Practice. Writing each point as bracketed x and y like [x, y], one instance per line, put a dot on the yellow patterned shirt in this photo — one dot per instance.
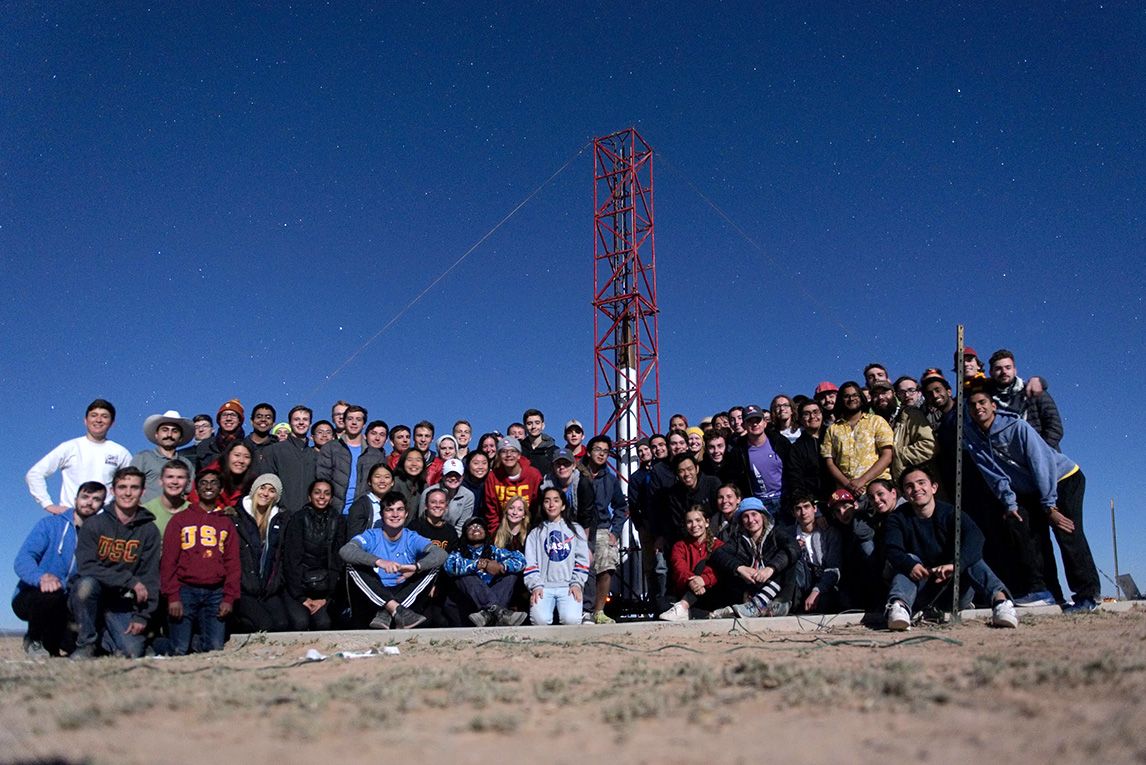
[855, 449]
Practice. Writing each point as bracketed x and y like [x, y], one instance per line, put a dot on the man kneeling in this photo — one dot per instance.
[921, 547]
[116, 588]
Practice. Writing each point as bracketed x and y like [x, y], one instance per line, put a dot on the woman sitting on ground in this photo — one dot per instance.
[757, 566]
[690, 579]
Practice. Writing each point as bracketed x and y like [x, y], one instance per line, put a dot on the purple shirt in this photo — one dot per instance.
[767, 470]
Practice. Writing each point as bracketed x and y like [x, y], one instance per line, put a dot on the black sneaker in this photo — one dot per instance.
[83, 653]
[405, 619]
[1081, 606]
[381, 620]
[508, 618]
[481, 618]
[34, 649]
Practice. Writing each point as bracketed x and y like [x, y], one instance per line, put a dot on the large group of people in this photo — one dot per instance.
[839, 500]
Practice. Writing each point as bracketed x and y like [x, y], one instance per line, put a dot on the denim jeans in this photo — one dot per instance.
[104, 614]
[978, 577]
[201, 614]
[559, 597]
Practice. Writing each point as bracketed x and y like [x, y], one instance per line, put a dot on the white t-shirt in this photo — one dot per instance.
[809, 545]
[77, 461]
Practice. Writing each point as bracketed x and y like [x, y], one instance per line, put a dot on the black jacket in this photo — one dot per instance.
[541, 457]
[778, 550]
[733, 469]
[208, 451]
[310, 544]
[680, 499]
[932, 540]
[261, 563]
[1041, 411]
[583, 506]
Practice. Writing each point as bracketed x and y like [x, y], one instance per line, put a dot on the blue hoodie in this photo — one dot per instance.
[50, 548]
[1014, 459]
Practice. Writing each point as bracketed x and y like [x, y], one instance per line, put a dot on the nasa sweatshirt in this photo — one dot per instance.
[556, 556]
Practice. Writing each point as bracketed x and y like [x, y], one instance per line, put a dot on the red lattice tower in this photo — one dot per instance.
[626, 386]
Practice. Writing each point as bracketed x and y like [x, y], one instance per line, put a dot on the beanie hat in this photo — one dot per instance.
[263, 480]
[231, 406]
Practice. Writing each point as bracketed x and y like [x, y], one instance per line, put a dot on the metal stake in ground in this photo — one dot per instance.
[956, 617]
[1114, 535]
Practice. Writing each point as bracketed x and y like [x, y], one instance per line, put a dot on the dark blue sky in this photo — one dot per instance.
[199, 202]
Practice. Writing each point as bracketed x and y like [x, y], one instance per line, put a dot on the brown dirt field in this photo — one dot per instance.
[1058, 689]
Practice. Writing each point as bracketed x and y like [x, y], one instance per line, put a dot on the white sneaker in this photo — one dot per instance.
[722, 613]
[1003, 614]
[898, 617]
[678, 613]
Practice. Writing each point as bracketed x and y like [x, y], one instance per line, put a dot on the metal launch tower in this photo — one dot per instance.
[626, 386]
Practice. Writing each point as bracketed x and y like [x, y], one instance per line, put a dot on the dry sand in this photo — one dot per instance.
[1058, 689]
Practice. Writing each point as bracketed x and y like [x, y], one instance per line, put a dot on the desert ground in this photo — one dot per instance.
[1058, 689]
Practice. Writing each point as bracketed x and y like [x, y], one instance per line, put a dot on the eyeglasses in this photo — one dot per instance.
[906, 391]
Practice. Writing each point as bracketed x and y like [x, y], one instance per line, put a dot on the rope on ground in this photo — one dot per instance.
[819, 642]
[144, 664]
[607, 643]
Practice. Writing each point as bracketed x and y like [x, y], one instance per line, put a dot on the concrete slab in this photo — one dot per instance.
[670, 630]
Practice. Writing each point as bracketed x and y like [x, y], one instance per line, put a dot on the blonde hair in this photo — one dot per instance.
[506, 539]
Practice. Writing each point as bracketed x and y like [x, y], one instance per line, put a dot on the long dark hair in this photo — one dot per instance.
[232, 481]
[400, 467]
[566, 512]
[839, 412]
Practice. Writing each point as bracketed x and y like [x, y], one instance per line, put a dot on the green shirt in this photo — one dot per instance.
[162, 514]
